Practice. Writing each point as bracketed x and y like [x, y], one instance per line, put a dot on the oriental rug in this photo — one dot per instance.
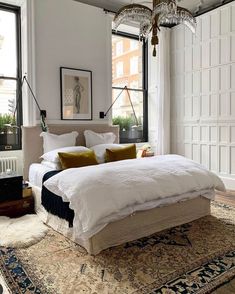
[197, 257]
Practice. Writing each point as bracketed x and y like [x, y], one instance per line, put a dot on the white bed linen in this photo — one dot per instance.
[107, 192]
[36, 173]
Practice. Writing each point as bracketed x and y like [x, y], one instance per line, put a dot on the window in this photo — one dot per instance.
[119, 48]
[117, 107]
[10, 77]
[134, 85]
[119, 69]
[133, 45]
[130, 111]
[134, 65]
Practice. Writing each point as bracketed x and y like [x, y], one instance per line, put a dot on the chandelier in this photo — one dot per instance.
[164, 13]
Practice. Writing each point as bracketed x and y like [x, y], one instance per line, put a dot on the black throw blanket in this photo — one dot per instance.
[54, 204]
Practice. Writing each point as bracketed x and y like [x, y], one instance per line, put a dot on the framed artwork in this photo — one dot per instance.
[76, 94]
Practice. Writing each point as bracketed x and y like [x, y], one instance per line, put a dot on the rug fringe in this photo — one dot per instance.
[219, 282]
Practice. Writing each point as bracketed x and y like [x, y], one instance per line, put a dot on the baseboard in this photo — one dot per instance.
[229, 183]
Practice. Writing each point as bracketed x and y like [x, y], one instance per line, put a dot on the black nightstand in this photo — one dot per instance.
[17, 208]
[10, 187]
[14, 200]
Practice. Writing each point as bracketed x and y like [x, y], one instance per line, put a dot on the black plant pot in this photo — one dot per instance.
[134, 135]
[8, 139]
[124, 134]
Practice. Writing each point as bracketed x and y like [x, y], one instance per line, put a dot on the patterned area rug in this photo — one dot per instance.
[194, 258]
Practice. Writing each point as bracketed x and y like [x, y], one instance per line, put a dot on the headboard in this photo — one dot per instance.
[32, 142]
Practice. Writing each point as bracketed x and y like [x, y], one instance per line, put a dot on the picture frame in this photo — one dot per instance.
[76, 94]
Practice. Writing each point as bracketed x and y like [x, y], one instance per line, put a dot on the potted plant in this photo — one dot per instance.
[128, 127]
[8, 134]
[124, 125]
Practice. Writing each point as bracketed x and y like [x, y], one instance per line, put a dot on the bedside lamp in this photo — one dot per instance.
[102, 114]
[42, 112]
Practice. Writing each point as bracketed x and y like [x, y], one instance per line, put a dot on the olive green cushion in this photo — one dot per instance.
[77, 159]
[128, 152]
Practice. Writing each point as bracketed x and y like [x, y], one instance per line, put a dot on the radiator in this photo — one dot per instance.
[8, 163]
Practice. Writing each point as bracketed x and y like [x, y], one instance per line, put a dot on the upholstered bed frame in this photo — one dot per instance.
[140, 224]
[32, 142]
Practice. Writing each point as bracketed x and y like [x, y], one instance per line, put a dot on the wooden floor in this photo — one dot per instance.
[226, 197]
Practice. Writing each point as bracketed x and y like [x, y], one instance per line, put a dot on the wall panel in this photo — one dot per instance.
[203, 94]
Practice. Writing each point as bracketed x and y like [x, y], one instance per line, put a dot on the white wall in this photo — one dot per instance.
[203, 92]
[63, 33]
[71, 34]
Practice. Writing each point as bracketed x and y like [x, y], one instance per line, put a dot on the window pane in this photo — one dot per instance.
[8, 48]
[119, 69]
[119, 48]
[7, 107]
[127, 62]
[7, 96]
[130, 122]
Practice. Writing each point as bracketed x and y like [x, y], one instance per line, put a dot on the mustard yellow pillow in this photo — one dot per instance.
[77, 159]
[128, 152]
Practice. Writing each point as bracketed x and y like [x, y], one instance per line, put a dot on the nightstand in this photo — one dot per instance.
[17, 208]
[14, 201]
[10, 187]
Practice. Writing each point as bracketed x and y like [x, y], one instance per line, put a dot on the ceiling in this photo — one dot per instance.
[114, 5]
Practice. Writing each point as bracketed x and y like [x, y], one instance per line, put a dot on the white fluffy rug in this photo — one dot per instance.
[21, 232]
[3, 286]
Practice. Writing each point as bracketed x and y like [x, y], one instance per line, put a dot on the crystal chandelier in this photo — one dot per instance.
[164, 13]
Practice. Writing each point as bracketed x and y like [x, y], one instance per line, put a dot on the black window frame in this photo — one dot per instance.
[19, 114]
[144, 89]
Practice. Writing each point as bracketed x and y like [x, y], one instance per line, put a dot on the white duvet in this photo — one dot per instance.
[107, 192]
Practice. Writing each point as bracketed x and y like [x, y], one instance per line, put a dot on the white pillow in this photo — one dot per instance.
[52, 141]
[100, 150]
[93, 138]
[52, 165]
[53, 156]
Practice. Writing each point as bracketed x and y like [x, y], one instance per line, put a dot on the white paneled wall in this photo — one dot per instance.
[203, 92]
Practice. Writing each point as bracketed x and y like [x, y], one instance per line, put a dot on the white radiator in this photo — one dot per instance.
[8, 163]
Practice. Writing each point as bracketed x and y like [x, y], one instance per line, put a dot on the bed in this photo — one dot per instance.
[134, 226]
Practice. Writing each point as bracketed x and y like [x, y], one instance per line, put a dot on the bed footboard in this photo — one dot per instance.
[135, 226]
